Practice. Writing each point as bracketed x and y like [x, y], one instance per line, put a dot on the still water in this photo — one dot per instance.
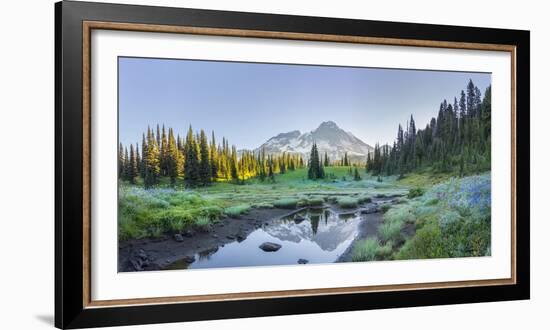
[315, 235]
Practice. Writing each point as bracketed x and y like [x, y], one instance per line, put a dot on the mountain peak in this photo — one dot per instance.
[329, 138]
[328, 124]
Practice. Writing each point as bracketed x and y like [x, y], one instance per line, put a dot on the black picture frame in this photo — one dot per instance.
[70, 310]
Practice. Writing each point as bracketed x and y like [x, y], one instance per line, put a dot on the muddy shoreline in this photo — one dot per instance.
[158, 253]
[150, 254]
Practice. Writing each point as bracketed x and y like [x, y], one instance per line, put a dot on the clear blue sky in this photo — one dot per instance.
[250, 102]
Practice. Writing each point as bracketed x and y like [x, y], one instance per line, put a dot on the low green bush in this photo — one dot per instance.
[203, 223]
[390, 231]
[365, 250]
[286, 203]
[415, 192]
[315, 202]
[427, 243]
[347, 202]
[400, 213]
[364, 199]
[235, 211]
[383, 252]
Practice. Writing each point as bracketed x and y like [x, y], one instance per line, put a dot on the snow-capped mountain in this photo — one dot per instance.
[329, 138]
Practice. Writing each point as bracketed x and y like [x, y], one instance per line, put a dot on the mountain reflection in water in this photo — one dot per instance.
[316, 235]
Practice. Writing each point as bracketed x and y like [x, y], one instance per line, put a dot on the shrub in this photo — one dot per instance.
[237, 210]
[203, 223]
[286, 203]
[431, 202]
[415, 192]
[383, 252]
[365, 250]
[315, 202]
[400, 213]
[385, 208]
[422, 211]
[364, 199]
[347, 202]
[448, 218]
[390, 231]
[427, 243]
[211, 212]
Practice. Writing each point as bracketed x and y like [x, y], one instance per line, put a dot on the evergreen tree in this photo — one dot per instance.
[138, 161]
[233, 164]
[356, 175]
[121, 161]
[205, 170]
[214, 158]
[315, 169]
[132, 166]
[143, 157]
[125, 166]
[282, 165]
[152, 162]
[163, 149]
[270, 171]
[173, 158]
[191, 165]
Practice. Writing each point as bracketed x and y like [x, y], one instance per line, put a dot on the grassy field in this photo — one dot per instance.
[152, 212]
[450, 216]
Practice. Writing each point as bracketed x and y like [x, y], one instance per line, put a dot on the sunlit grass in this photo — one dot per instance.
[237, 210]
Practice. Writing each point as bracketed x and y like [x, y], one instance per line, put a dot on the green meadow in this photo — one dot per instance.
[166, 208]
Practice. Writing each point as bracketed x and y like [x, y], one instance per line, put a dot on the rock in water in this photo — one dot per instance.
[270, 247]
[178, 238]
[299, 219]
[303, 261]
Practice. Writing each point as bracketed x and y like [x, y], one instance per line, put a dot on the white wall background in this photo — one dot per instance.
[27, 147]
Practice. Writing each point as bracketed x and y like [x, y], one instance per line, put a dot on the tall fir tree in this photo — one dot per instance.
[120, 161]
[132, 165]
[205, 171]
[191, 165]
[152, 162]
[214, 158]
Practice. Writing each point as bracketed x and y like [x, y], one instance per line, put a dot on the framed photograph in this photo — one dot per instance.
[216, 164]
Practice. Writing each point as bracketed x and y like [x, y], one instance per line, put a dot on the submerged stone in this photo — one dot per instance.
[270, 247]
